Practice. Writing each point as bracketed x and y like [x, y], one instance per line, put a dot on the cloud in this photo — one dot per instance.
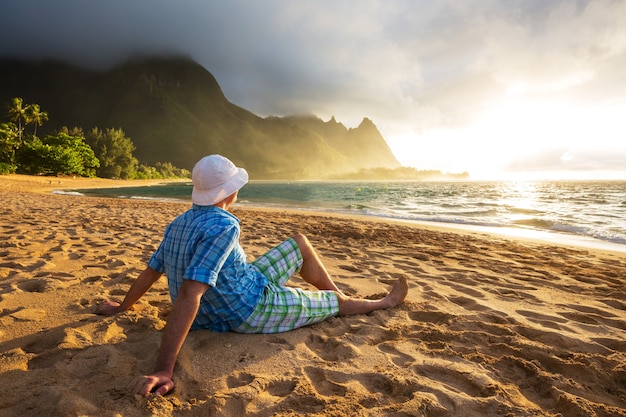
[571, 160]
[408, 65]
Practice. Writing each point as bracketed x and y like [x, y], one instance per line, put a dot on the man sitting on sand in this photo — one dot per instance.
[213, 286]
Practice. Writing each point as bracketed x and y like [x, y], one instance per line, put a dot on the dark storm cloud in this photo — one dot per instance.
[287, 54]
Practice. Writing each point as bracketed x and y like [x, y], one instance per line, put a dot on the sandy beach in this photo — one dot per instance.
[492, 326]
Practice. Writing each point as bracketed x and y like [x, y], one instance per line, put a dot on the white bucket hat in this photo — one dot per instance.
[215, 178]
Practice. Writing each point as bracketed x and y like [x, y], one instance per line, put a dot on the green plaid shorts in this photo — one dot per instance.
[282, 308]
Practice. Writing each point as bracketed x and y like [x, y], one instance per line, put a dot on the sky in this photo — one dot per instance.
[496, 88]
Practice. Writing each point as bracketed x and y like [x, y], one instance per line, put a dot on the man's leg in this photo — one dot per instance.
[314, 272]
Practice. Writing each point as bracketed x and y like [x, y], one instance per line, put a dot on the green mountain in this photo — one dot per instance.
[174, 111]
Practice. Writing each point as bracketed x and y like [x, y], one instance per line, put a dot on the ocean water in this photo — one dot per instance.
[593, 210]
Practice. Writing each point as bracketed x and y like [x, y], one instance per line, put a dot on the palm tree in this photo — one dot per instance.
[35, 116]
[17, 112]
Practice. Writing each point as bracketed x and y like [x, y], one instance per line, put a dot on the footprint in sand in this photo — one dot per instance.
[35, 285]
[435, 317]
[462, 288]
[545, 320]
[380, 389]
[331, 349]
[613, 344]
[468, 303]
[614, 303]
[239, 380]
[593, 317]
[448, 380]
[248, 395]
[324, 386]
[398, 358]
[282, 343]
[351, 268]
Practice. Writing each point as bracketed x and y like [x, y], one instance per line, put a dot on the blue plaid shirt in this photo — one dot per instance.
[202, 245]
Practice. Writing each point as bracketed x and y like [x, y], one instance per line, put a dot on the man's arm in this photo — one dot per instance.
[178, 324]
[142, 284]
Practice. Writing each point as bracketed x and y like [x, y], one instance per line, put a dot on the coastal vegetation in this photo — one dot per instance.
[106, 154]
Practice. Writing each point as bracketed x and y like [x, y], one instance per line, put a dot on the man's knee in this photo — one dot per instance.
[302, 242]
[300, 238]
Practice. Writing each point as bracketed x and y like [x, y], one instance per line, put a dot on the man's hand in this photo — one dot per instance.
[159, 383]
[143, 283]
[178, 324]
[108, 308]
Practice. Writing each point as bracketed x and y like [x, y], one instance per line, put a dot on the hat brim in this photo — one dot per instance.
[215, 195]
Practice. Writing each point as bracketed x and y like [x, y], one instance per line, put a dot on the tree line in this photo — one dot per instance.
[104, 153]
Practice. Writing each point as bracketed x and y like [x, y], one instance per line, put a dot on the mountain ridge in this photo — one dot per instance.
[174, 111]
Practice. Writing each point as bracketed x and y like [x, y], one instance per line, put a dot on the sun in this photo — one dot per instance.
[523, 137]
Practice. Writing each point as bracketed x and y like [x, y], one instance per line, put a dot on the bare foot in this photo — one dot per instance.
[349, 306]
[398, 293]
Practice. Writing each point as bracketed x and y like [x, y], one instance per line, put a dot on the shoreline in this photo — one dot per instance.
[517, 234]
[51, 184]
[48, 184]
